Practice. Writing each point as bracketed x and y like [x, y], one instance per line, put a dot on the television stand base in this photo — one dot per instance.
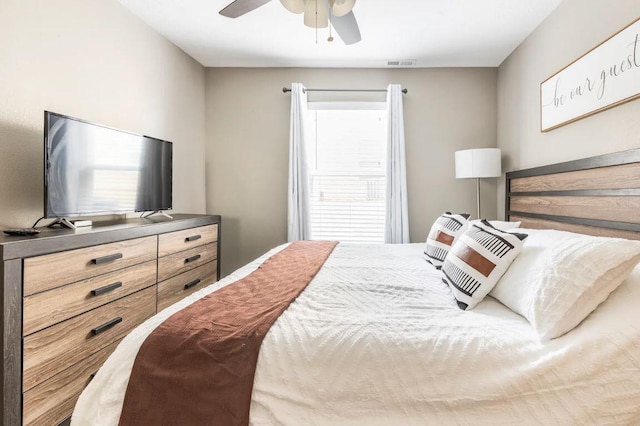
[160, 212]
[63, 222]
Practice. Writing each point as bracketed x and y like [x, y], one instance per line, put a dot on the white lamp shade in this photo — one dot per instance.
[293, 6]
[322, 19]
[478, 163]
[341, 7]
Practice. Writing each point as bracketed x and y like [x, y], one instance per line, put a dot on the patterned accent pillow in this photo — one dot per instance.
[477, 260]
[442, 235]
[500, 224]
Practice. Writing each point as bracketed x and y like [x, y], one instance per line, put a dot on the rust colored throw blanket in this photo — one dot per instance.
[197, 367]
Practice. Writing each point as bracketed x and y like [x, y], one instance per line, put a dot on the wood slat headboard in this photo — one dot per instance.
[596, 196]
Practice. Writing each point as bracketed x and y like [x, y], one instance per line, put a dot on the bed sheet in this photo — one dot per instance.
[376, 339]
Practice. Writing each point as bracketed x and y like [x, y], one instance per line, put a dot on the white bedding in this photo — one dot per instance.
[376, 338]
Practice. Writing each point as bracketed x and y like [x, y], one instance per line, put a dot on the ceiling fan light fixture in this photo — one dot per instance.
[317, 14]
[321, 20]
[341, 7]
[293, 6]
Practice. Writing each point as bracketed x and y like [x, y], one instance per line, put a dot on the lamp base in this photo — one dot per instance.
[478, 195]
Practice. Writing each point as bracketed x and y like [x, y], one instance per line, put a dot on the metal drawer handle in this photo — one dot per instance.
[192, 258]
[193, 238]
[107, 325]
[106, 288]
[191, 284]
[105, 259]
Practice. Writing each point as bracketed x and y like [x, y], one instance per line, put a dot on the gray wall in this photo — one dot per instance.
[248, 135]
[575, 27]
[93, 60]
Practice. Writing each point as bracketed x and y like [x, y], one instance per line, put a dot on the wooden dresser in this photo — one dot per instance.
[69, 297]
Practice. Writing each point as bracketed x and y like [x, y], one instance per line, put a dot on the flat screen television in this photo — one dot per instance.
[94, 170]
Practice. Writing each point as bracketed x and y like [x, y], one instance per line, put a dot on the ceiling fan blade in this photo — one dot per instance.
[347, 28]
[240, 7]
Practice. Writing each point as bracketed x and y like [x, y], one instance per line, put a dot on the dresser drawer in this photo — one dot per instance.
[56, 348]
[173, 242]
[178, 263]
[176, 288]
[53, 270]
[51, 402]
[50, 307]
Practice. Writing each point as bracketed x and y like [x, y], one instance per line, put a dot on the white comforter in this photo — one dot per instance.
[376, 338]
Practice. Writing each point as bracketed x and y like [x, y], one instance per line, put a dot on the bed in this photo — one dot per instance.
[376, 338]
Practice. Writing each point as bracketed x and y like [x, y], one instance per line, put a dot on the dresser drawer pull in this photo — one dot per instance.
[106, 288]
[107, 325]
[192, 258]
[106, 259]
[193, 238]
[191, 284]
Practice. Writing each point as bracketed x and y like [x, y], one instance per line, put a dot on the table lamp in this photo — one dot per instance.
[478, 163]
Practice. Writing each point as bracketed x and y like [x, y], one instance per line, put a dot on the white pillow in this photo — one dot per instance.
[442, 235]
[561, 277]
[477, 260]
[500, 224]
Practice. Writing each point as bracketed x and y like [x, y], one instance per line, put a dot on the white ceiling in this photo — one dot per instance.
[437, 33]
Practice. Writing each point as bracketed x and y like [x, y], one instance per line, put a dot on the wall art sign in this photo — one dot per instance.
[606, 76]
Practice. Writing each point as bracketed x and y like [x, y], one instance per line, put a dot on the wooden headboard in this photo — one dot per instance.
[596, 196]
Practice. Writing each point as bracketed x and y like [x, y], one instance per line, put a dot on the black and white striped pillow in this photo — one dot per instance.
[477, 260]
[442, 235]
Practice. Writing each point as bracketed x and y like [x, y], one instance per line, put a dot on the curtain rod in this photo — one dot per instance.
[286, 89]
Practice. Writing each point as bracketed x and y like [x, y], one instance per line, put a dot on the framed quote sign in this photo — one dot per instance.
[606, 76]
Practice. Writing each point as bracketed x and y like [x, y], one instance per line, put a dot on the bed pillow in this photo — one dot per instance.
[500, 224]
[442, 235]
[477, 260]
[561, 277]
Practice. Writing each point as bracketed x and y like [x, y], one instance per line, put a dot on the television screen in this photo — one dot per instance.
[92, 169]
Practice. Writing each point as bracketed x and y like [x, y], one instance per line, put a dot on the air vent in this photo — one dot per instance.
[401, 62]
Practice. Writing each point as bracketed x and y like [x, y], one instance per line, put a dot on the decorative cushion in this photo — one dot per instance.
[477, 260]
[442, 235]
[561, 277]
[500, 224]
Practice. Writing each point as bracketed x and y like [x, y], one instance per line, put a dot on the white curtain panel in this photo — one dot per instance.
[397, 214]
[298, 216]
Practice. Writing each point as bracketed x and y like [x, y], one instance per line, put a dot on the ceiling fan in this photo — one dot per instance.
[317, 14]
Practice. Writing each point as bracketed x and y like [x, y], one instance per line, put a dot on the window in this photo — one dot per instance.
[347, 149]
